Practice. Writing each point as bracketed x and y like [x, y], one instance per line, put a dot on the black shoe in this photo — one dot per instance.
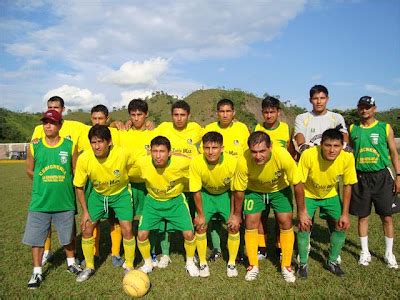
[215, 255]
[303, 271]
[334, 268]
[35, 281]
[74, 269]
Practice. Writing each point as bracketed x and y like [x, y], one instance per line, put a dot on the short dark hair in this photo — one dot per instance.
[56, 99]
[270, 102]
[318, 89]
[180, 104]
[332, 134]
[161, 140]
[100, 131]
[225, 102]
[214, 137]
[138, 104]
[257, 137]
[100, 108]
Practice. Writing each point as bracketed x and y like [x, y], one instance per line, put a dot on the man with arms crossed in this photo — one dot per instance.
[50, 163]
[263, 177]
[211, 175]
[374, 151]
[320, 168]
[106, 167]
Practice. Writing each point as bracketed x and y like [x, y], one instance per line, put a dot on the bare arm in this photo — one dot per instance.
[236, 216]
[344, 220]
[30, 164]
[199, 220]
[395, 159]
[80, 194]
[74, 159]
[304, 220]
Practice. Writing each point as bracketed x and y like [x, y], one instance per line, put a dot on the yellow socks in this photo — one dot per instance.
[201, 244]
[129, 248]
[261, 240]
[88, 251]
[144, 248]
[116, 238]
[47, 243]
[233, 247]
[190, 248]
[287, 242]
[251, 241]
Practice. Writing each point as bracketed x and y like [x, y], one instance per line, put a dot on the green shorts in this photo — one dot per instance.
[139, 193]
[103, 207]
[329, 208]
[216, 206]
[175, 211]
[280, 201]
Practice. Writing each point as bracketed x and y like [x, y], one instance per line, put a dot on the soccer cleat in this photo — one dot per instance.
[261, 255]
[146, 268]
[192, 269]
[117, 261]
[231, 271]
[365, 258]
[47, 256]
[74, 269]
[252, 273]
[154, 260]
[288, 274]
[215, 254]
[303, 271]
[391, 262]
[164, 262]
[127, 270]
[204, 271]
[84, 275]
[35, 281]
[339, 260]
[334, 268]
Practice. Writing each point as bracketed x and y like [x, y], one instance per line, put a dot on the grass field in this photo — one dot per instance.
[375, 281]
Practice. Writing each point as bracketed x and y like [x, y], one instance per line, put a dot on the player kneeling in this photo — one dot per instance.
[107, 167]
[211, 175]
[165, 176]
[320, 168]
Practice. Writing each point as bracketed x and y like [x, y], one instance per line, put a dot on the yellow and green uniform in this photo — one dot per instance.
[320, 177]
[280, 134]
[71, 130]
[235, 137]
[267, 185]
[214, 182]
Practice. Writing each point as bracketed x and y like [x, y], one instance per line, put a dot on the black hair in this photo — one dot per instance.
[100, 108]
[225, 102]
[161, 140]
[270, 102]
[257, 137]
[214, 137]
[180, 104]
[56, 99]
[101, 132]
[332, 134]
[138, 104]
[318, 89]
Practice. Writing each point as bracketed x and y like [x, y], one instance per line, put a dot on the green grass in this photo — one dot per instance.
[375, 281]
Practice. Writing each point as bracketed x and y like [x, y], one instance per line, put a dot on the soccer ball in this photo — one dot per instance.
[136, 283]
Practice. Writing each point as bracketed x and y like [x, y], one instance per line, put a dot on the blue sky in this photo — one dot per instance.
[109, 52]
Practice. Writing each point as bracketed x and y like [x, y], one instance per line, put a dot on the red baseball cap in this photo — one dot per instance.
[52, 115]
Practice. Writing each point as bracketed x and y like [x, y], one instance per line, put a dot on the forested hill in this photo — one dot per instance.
[18, 127]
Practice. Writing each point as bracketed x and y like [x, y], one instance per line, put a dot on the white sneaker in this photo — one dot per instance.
[261, 256]
[288, 275]
[204, 271]
[231, 271]
[391, 262]
[365, 258]
[192, 269]
[339, 260]
[47, 255]
[252, 273]
[146, 268]
[164, 262]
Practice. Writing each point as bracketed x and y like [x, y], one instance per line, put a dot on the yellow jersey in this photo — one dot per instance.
[84, 138]
[216, 179]
[320, 176]
[235, 137]
[280, 135]
[277, 173]
[109, 176]
[164, 183]
[71, 130]
[185, 141]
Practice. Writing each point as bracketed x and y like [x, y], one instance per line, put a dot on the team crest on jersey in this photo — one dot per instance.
[312, 130]
[189, 141]
[374, 138]
[68, 137]
[63, 157]
[227, 180]
[117, 173]
[147, 147]
[236, 142]
[278, 174]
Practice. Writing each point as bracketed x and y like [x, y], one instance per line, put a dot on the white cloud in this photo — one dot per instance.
[127, 96]
[382, 90]
[75, 98]
[133, 73]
